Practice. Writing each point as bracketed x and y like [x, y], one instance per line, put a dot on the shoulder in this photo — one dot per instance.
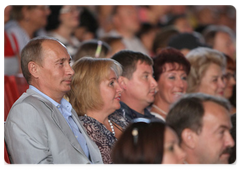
[26, 116]
[30, 105]
[37, 101]
[10, 25]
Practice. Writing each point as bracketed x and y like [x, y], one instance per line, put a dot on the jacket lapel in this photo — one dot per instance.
[93, 148]
[59, 120]
[63, 125]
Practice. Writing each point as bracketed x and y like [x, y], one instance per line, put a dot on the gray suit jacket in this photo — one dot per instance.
[36, 132]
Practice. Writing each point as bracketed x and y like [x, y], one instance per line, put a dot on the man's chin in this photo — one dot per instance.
[67, 88]
[224, 159]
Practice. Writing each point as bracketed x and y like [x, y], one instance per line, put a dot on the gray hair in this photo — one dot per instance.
[200, 58]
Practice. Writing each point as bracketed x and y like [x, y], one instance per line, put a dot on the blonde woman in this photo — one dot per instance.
[208, 68]
[95, 95]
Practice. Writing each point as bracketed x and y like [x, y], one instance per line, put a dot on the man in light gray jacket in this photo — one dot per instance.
[41, 126]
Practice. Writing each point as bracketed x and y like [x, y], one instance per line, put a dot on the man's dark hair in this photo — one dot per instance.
[128, 59]
[188, 112]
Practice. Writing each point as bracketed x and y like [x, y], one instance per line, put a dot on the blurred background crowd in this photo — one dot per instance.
[102, 31]
[146, 29]
[142, 28]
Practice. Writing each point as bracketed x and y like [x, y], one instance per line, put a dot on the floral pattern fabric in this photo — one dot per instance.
[103, 138]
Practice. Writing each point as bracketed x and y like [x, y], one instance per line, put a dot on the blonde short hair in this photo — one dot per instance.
[85, 88]
[200, 58]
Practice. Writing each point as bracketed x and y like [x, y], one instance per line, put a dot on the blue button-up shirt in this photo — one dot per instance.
[65, 107]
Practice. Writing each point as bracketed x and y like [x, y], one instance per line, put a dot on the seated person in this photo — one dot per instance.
[95, 95]
[41, 126]
[148, 142]
[202, 123]
[171, 69]
[207, 71]
[137, 82]
[61, 23]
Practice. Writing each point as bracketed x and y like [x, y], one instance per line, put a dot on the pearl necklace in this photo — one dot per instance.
[110, 123]
[165, 113]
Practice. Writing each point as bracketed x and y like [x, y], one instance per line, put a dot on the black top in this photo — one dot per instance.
[131, 114]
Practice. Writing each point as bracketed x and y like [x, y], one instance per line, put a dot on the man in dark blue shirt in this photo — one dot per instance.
[137, 82]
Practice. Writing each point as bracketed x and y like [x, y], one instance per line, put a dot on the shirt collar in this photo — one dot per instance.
[64, 104]
[135, 114]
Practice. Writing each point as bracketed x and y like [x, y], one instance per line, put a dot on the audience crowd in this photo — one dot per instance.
[123, 84]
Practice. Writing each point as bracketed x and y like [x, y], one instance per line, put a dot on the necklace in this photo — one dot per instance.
[110, 123]
[165, 113]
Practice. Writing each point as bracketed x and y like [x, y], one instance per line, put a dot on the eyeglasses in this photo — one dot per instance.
[70, 10]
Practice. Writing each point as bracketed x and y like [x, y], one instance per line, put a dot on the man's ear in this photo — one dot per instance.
[122, 82]
[33, 69]
[189, 138]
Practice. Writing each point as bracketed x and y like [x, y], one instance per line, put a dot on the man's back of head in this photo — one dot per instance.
[202, 123]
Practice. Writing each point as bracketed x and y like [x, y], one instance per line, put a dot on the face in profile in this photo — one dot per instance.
[142, 85]
[111, 93]
[55, 73]
[214, 141]
[172, 84]
[172, 154]
[212, 81]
